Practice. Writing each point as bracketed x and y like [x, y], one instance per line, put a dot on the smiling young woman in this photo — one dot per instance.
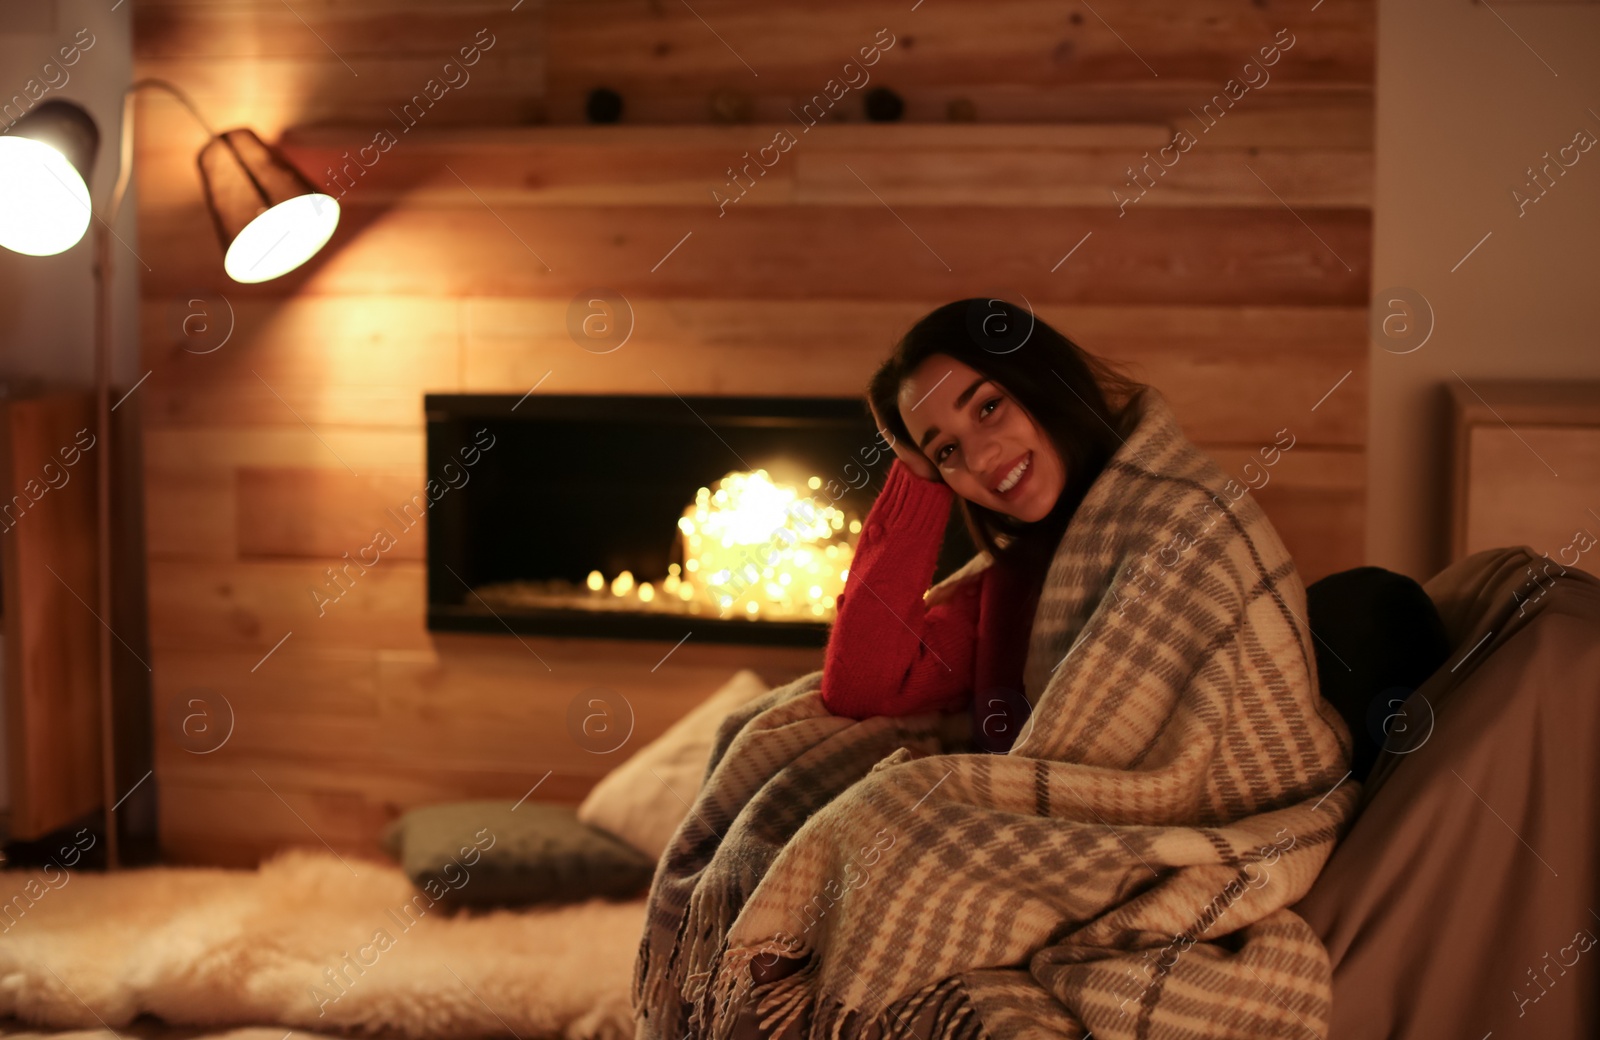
[984, 403]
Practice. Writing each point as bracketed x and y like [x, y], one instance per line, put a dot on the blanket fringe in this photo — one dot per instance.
[781, 1003]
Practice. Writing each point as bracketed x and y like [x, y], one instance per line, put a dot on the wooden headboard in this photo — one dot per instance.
[1526, 459]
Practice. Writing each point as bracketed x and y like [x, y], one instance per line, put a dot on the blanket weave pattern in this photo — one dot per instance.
[1126, 869]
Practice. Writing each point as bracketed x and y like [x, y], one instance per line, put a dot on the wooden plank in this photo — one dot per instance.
[1197, 177]
[905, 164]
[791, 173]
[1316, 501]
[1323, 531]
[258, 603]
[190, 515]
[209, 708]
[311, 512]
[629, 44]
[1168, 256]
[360, 34]
[362, 361]
[466, 703]
[328, 360]
[1316, 116]
[1233, 374]
[217, 451]
[269, 94]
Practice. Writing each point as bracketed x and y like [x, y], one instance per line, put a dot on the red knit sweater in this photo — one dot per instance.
[889, 653]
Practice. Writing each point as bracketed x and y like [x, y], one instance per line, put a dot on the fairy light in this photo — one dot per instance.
[750, 547]
[756, 547]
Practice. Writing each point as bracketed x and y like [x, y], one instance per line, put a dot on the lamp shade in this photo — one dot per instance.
[45, 162]
[270, 218]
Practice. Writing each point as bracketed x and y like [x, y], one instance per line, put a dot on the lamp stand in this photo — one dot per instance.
[103, 471]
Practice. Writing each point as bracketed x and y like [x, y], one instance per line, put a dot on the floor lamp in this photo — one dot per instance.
[269, 218]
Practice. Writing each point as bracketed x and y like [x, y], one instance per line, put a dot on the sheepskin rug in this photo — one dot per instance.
[303, 942]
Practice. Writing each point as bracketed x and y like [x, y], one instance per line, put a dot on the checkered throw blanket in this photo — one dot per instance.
[1126, 869]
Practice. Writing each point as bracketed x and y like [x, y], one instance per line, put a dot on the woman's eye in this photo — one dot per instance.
[992, 403]
[983, 413]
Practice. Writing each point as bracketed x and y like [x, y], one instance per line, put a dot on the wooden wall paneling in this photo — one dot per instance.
[366, 735]
[266, 460]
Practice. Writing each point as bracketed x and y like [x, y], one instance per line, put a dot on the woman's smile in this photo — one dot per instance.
[1011, 487]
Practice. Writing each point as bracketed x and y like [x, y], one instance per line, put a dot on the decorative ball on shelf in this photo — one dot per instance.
[884, 105]
[730, 106]
[961, 110]
[604, 105]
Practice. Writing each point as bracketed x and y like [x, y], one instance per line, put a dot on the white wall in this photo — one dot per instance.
[1464, 107]
[46, 317]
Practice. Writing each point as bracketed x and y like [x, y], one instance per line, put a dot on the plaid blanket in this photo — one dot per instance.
[1126, 869]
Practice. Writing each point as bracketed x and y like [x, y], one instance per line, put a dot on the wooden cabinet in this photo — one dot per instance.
[48, 459]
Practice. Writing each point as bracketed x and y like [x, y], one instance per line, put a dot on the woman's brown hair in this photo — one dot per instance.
[1077, 399]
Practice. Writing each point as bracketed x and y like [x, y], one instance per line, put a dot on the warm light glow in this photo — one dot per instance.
[750, 546]
[44, 204]
[282, 238]
[622, 583]
[596, 581]
[646, 593]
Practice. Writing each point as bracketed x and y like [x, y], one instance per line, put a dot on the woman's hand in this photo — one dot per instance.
[918, 463]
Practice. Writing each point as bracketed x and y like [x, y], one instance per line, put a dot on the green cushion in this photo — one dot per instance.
[484, 854]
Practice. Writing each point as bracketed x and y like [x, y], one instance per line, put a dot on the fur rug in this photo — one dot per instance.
[297, 943]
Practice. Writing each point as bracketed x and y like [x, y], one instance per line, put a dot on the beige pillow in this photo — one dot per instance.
[633, 801]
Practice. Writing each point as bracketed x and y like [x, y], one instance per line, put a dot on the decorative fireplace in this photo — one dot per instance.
[650, 517]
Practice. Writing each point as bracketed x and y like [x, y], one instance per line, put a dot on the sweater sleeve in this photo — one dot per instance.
[889, 653]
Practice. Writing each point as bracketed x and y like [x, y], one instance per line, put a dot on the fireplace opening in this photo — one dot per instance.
[650, 517]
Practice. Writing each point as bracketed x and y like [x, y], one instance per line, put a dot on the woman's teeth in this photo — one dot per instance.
[1015, 475]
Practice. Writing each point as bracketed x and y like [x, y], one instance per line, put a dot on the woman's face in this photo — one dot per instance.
[979, 437]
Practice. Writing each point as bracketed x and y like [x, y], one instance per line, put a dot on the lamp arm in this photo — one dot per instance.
[125, 151]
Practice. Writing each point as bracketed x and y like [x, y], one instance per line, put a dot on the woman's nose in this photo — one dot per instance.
[986, 457]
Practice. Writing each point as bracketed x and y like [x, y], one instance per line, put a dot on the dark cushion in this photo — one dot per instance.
[485, 854]
[1378, 637]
